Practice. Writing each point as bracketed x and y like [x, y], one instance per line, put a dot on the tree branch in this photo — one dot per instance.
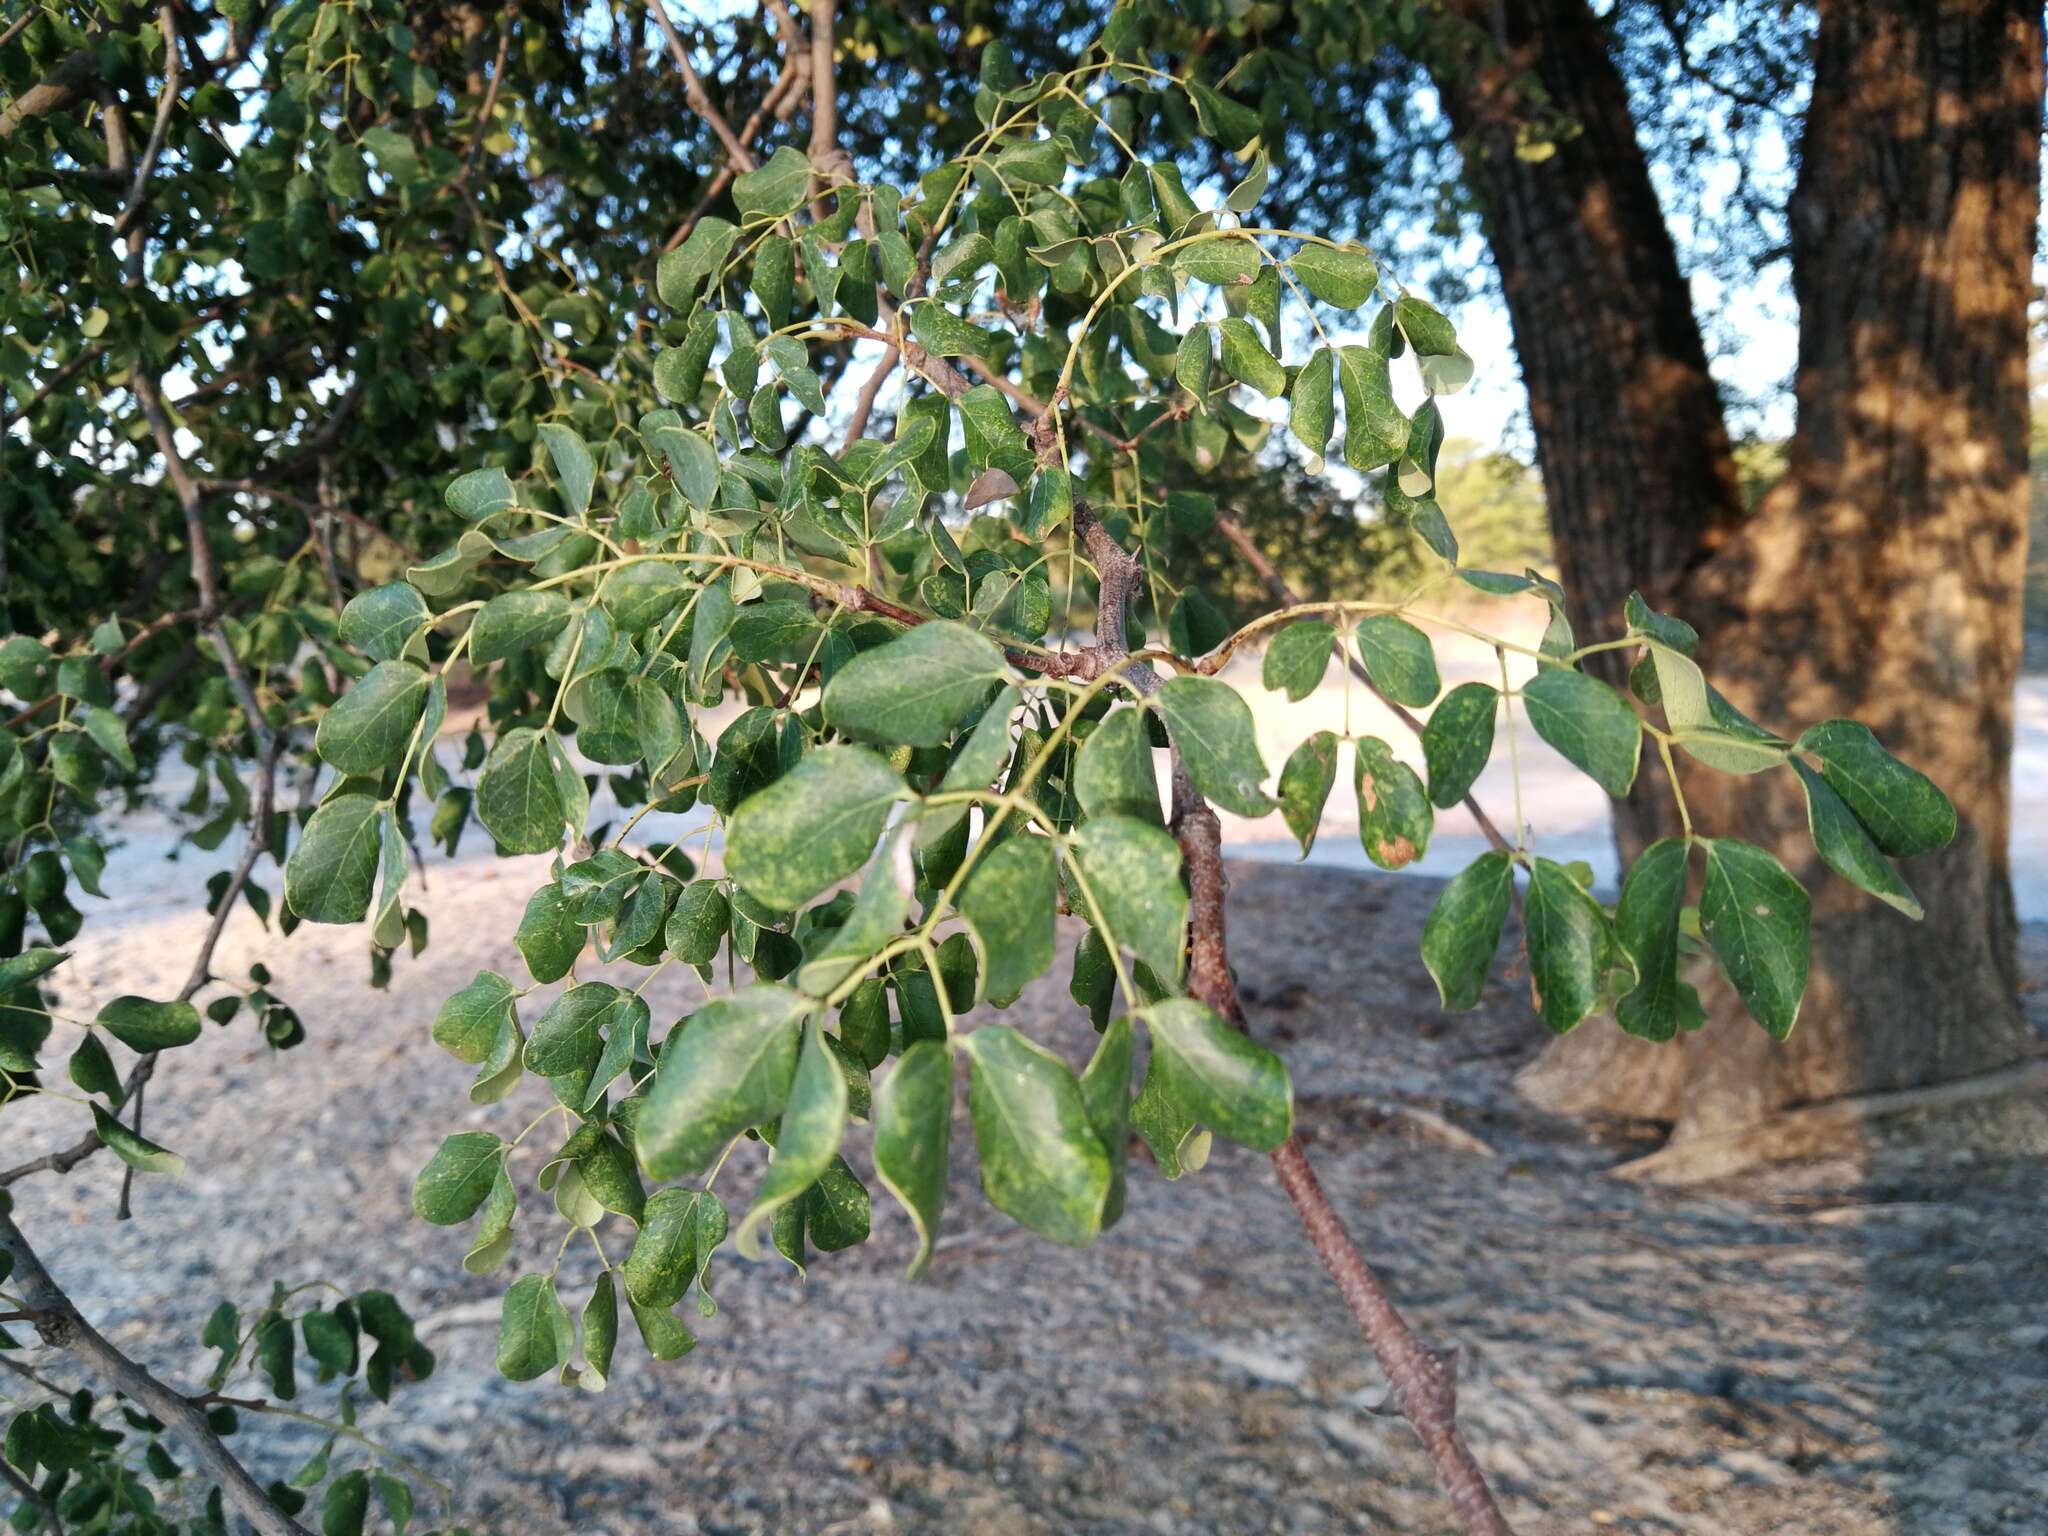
[1423, 1386]
[694, 92]
[166, 101]
[64, 1327]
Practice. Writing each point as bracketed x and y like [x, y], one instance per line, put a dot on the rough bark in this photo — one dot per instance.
[1880, 580]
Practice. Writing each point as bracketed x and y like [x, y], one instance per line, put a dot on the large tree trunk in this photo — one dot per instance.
[1881, 578]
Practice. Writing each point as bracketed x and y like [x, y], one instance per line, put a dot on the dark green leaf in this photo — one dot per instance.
[1571, 946]
[1394, 816]
[913, 1134]
[535, 1335]
[1647, 922]
[369, 726]
[1305, 784]
[146, 1026]
[1297, 658]
[458, 1178]
[1219, 1075]
[1130, 876]
[730, 1068]
[1212, 727]
[1590, 723]
[1458, 740]
[806, 1140]
[1341, 275]
[1041, 1163]
[812, 827]
[1904, 810]
[1463, 930]
[1113, 773]
[1400, 660]
[383, 621]
[1756, 916]
[1847, 848]
[917, 688]
[1009, 901]
[518, 794]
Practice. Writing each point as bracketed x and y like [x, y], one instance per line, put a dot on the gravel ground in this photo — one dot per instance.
[1828, 1351]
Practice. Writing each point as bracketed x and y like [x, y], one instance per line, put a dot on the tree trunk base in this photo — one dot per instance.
[2003, 1113]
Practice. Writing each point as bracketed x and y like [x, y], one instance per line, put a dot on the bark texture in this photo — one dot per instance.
[1880, 580]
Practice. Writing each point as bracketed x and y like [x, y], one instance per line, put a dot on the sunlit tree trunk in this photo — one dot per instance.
[1881, 579]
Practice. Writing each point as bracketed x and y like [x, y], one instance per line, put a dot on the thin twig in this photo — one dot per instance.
[65, 1328]
[167, 99]
[694, 92]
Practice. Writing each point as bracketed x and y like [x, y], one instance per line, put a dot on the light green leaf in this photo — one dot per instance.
[1297, 658]
[806, 1141]
[1305, 784]
[1646, 923]
[1219, 1075]
[1590, 723]
[144, 1026]
[1246, 359]
[1129, 872]
[1756, 917]
[1344, 276]
[1458, 740]
[132, 1147]
[1463, 930]
[913, 1114]
[1394, 817]
[1226, 260]
[914, 690]
[330, 874]
[492, 1244]
[1375, 427]
[679, 1231]
[1428, 332]
[513, 622]
[458, 1178]
[518, 794]
[812, 827]
[1041, 1163]
[479, 493]
[1008, 902]
[1400, 660]
[1113, 772]
[575, 473]
[776, 189]
[368, 727]
[383, 621]
[682, 272]
[1311, 407]
[1211, 725]
[535, 1335]
[728, 1069]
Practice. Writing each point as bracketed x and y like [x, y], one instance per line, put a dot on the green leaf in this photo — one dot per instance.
[1847, 848]
[679, 1231]
[513, 622]
[1041, 1164]
[1211, 725]
[812, 827]
[1905, 811]
[1344, 276]
[329, 876]
[692, 461]
[642, 595]
[917, 688]
[458, 1178]
[1008, 902]
[1192, 362]
[600, 1334]
[1246, 359]
[1226, 260]
[92, 1070]
[698, 923]
[662, 1332]
[369, 726]
[728, 1069]
[944, 334]
[1428, 332]
[682, 272]
[518, 794]
[1458, 740]
[535, 1335]
[1400, 660]
[1394, 818]
[1298, 657]
[913, 1116]
[132, 1147]
[1113, 772]
[476, 495]
[31, 964]
[383, 621]
[548, 937]
[1129, 872]
[1218, 1074]
[1756, 917]
[806, 1141]
[575, 473]
[1571, 946]
[1587, 721]
[492, 1244]
[776, 189]
[1647, 924]
[346, 1505]
[144, 1026]
[1463, 930]
[1375, 428]
[1305, 784]
[595, 888]
[1311, 406]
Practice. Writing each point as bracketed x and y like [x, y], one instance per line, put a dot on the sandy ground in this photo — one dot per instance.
[1832, 1351]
